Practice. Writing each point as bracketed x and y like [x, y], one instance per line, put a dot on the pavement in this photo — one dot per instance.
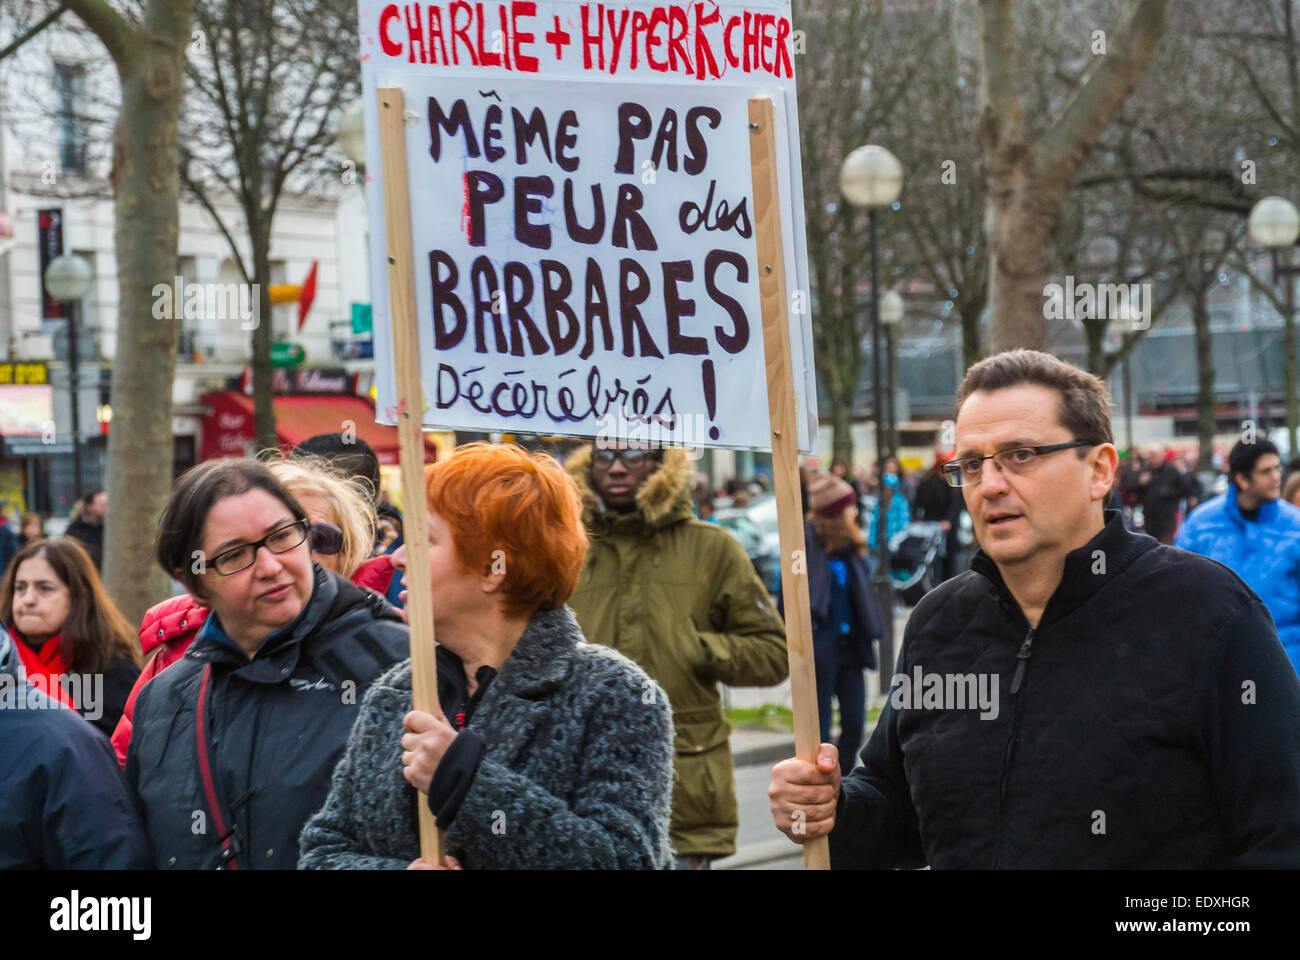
[758, 844]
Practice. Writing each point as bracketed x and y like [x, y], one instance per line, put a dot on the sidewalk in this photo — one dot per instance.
[753, 748]
[759, 846]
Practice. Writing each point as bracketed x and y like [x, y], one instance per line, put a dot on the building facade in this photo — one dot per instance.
[57, 104]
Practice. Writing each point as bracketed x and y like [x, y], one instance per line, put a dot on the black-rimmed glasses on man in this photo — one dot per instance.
[968, 471]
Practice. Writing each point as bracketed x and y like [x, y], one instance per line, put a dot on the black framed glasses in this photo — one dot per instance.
[281, 540]
[631, 457]
[326, 539]
[968, 471]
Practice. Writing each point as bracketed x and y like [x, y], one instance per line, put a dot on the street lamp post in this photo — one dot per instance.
[1123, 319]
[891, 315]
[872, 177]
[1275, 224]
[68, 278]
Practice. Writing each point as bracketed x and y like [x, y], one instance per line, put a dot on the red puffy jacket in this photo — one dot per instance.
[171, 626]
[167, 629]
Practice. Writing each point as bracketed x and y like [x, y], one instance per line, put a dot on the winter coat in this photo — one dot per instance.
[865, 610]
[276, 727]
[576, 771]
[167, 628]
[9, 546]
[682, 600]
[173, 624]
[1160, 497]
[376, 574]
[1151, 719]
[63, 802]
[899, 513]
[936, 500]
[1264, 552]
[90, 536]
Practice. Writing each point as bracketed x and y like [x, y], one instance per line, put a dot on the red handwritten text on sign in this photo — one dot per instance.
[689, 39]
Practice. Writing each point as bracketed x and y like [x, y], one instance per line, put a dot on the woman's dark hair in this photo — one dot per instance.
[352, 456]
[193, 496]
[95, 633]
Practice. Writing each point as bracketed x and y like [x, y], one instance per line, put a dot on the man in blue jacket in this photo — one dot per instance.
[1253, 532]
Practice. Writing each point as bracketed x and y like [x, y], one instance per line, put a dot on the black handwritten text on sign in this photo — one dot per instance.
[587, 257]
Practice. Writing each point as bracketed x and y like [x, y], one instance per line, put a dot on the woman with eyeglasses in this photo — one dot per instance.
[342, 520]
[233, 746]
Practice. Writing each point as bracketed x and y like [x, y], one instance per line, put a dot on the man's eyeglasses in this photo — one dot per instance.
[631, 458]
[280, 540]
[968, 471]
[1268, 471]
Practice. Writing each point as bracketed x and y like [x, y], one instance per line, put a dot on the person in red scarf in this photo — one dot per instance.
[72, 641]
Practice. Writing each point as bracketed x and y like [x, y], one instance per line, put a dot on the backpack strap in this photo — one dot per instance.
[230, 845]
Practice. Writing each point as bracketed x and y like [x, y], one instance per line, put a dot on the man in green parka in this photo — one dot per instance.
[680, 598]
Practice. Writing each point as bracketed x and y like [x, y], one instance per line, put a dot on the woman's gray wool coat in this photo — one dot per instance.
[577, 773]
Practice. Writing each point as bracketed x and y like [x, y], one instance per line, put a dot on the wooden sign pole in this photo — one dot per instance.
[785, 443]
[410, 416]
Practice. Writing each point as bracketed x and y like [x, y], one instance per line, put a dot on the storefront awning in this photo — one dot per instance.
[228, 430]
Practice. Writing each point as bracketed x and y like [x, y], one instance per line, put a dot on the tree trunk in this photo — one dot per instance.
[970, 332]
[1095, 332]
[145, 180]
[842, 423]
[1020, 232]
[1027, 178]
[1204, 380]
[265, 439]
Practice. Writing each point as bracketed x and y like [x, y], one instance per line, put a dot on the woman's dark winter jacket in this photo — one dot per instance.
[119, 679]
[866, 615]
[573, 767]
[276, 726]
[63, 803]
[1151, 719]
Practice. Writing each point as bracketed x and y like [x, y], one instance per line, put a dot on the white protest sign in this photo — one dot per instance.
[582, 217]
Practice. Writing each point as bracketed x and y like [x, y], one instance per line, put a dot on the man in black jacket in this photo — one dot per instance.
[1083, 696]
[87, 526]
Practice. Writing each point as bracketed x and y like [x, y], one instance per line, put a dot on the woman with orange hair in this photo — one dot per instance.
[550, 752]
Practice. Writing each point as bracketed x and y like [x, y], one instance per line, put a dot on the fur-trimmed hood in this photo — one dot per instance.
[664, 498]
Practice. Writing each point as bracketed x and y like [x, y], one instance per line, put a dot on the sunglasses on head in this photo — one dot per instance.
[326, 539]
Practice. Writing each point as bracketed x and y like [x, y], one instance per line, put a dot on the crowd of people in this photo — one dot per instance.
[586, 613]
[263, 716]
